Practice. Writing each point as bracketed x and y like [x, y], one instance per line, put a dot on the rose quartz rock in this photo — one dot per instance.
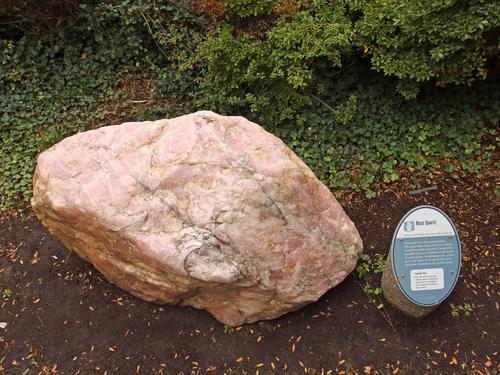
[201, 210]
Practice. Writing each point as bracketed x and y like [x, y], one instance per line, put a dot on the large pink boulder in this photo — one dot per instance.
[201, 210]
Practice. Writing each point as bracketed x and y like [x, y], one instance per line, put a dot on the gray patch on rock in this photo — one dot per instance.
[206, 260]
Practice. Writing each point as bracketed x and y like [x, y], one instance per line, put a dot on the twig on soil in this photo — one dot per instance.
[41, 322]
[10, 224]
[67, 257]
[422, 190]
[385, 314]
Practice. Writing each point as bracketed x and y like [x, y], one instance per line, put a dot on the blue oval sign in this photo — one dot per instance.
[426, 255]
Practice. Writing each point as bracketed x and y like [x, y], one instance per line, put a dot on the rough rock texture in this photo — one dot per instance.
[201, 210]
[395, 296]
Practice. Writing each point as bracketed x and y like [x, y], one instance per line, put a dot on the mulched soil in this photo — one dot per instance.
[64, 318]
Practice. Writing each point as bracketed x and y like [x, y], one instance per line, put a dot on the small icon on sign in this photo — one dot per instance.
[409, 226]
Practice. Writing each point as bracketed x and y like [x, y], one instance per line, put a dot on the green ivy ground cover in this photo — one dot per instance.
[304, 83]
[50, 90]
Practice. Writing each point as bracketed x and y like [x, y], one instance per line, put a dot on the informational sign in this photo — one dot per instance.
[426, 255]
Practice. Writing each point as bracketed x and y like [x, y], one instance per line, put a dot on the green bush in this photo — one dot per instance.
[447, 41]
[245, 8]
[370, 134]
[267, 73]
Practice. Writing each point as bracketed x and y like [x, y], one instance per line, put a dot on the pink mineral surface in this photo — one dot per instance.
[201, 210]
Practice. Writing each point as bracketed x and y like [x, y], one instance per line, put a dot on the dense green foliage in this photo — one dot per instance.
[267, 73]
[446, 40]
[245, 8]
[292, 66]
[376, 134]
[49, 90]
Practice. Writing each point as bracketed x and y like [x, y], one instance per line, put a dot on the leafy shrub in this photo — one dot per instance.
[384, 136]
[245, 8]
[266, 72]
[450, 42]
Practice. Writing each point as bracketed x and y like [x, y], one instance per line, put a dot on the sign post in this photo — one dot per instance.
[424, 261]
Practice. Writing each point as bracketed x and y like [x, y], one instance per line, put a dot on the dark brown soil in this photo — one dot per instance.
[64, 318]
